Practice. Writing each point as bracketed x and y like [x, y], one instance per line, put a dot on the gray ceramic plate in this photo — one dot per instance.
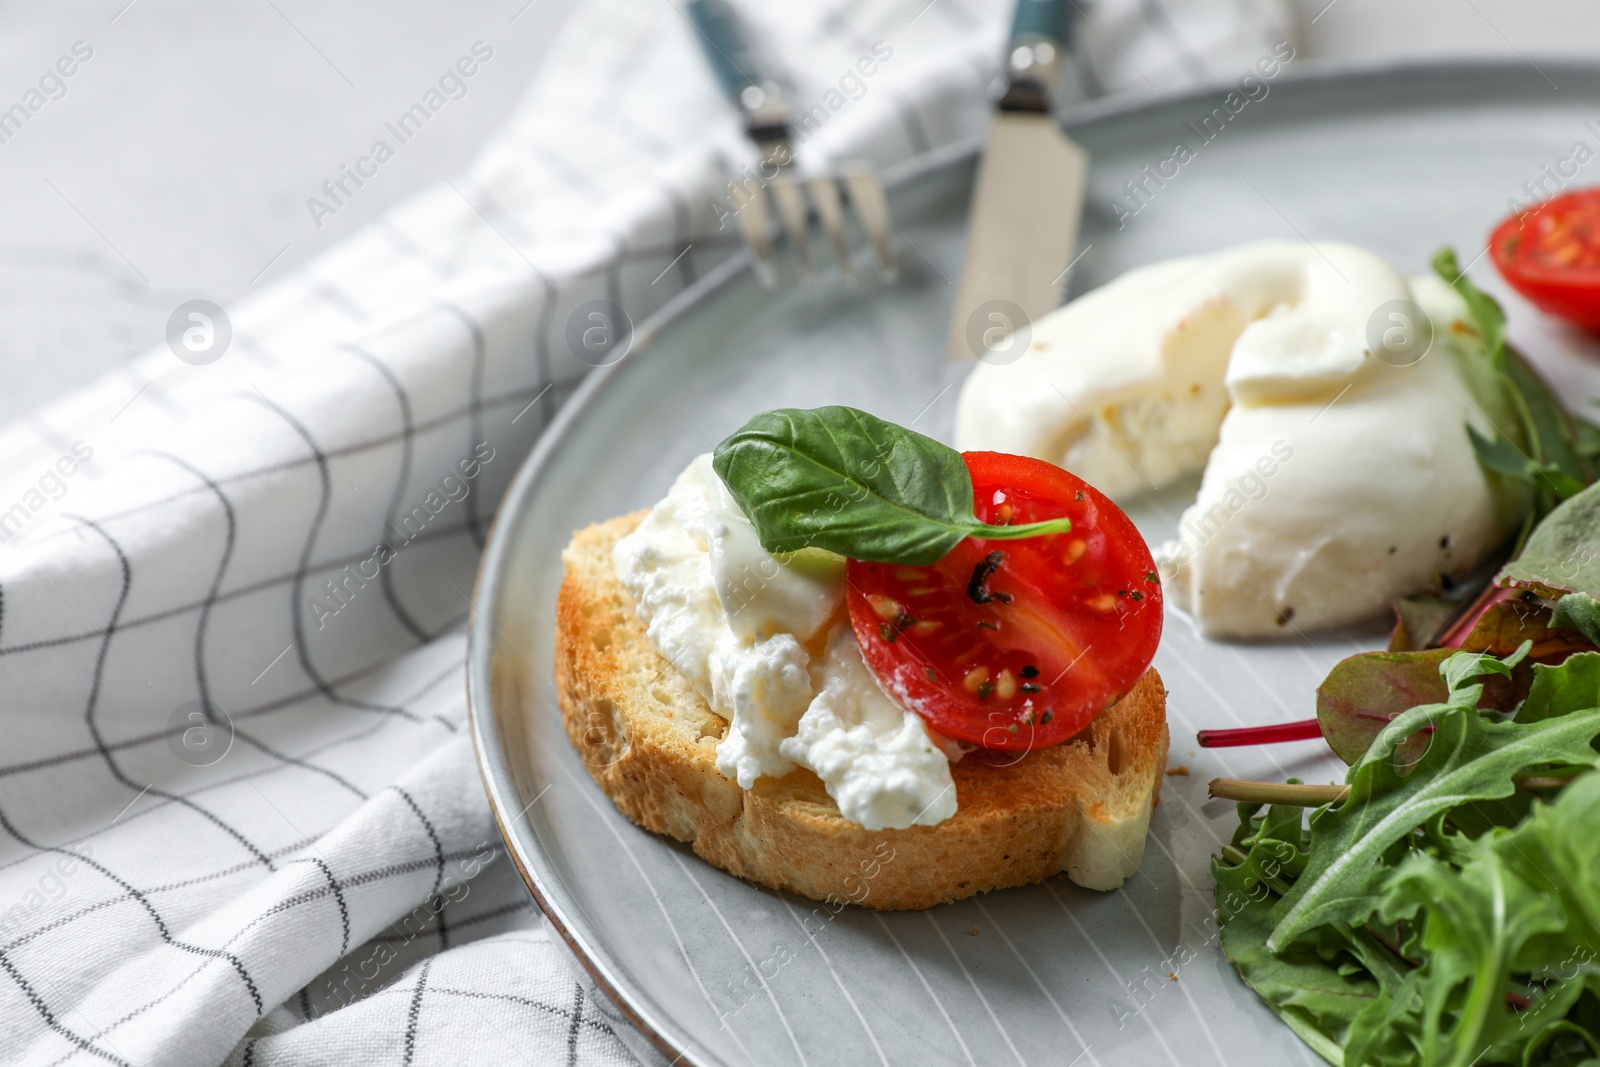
[713, 970]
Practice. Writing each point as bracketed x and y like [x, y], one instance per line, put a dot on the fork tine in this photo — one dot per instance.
[830, 209]
[750, 208]
[791, 200]
[872, 212]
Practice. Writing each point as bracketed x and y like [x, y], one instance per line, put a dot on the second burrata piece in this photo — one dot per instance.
[1337, 475]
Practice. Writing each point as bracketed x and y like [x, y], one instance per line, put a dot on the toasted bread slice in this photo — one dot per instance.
[650, 741]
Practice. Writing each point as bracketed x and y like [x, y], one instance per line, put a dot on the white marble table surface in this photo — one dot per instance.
[180, 158]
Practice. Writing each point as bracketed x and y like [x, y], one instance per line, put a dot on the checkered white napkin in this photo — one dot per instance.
[239, 817]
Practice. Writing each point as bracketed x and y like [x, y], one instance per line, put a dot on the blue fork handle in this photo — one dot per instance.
[1043, 18]
[726, 46]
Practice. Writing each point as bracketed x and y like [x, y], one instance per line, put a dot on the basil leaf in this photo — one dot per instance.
[840, 479]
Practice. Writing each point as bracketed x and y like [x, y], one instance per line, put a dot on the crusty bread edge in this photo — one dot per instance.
[649, 741]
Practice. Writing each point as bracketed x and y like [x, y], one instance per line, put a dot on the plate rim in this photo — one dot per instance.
[663, 1034]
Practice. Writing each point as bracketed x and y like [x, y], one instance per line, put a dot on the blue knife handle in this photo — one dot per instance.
[1043, 18]
[727, 48]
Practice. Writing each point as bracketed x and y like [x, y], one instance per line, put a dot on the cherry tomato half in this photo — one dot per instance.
[1014, 645]
[1551, 255]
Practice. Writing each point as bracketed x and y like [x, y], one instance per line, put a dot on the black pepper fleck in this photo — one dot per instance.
[978, 587]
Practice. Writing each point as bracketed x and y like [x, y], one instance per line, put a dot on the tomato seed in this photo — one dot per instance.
[1075, 550]
[887, 607]
[1104, 604]
[925, 627]
[909, 574]
[1005, 685]
[1004, 514]
[976, 677]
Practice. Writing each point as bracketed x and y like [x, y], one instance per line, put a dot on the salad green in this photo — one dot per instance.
[1443, 912]
[1551, 450]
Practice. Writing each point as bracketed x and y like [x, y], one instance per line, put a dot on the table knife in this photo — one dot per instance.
[1022, 231]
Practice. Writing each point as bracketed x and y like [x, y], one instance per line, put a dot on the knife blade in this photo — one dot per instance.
[1027, 199]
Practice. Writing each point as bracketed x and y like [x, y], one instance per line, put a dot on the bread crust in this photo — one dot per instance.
[649, 740]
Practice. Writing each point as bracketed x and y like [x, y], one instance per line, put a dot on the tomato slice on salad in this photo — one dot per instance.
[1014, 645]
[1551, 255]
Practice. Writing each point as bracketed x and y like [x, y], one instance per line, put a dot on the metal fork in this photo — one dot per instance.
[767, 124]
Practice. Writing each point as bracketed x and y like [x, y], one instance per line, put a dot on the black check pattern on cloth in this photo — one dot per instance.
[239, 816]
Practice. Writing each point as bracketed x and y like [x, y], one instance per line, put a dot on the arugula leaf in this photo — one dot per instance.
[1389, 1031]
[1480, 920]
[1438, 916]
[1553, 453]
[1304, 985]
[1557, 691]
[1470, 758]
[1501, 456]
[1550, 428]
[1514, 913]
[1485, 310]
[1312, 985]
[840, 479]
[1558, 851]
